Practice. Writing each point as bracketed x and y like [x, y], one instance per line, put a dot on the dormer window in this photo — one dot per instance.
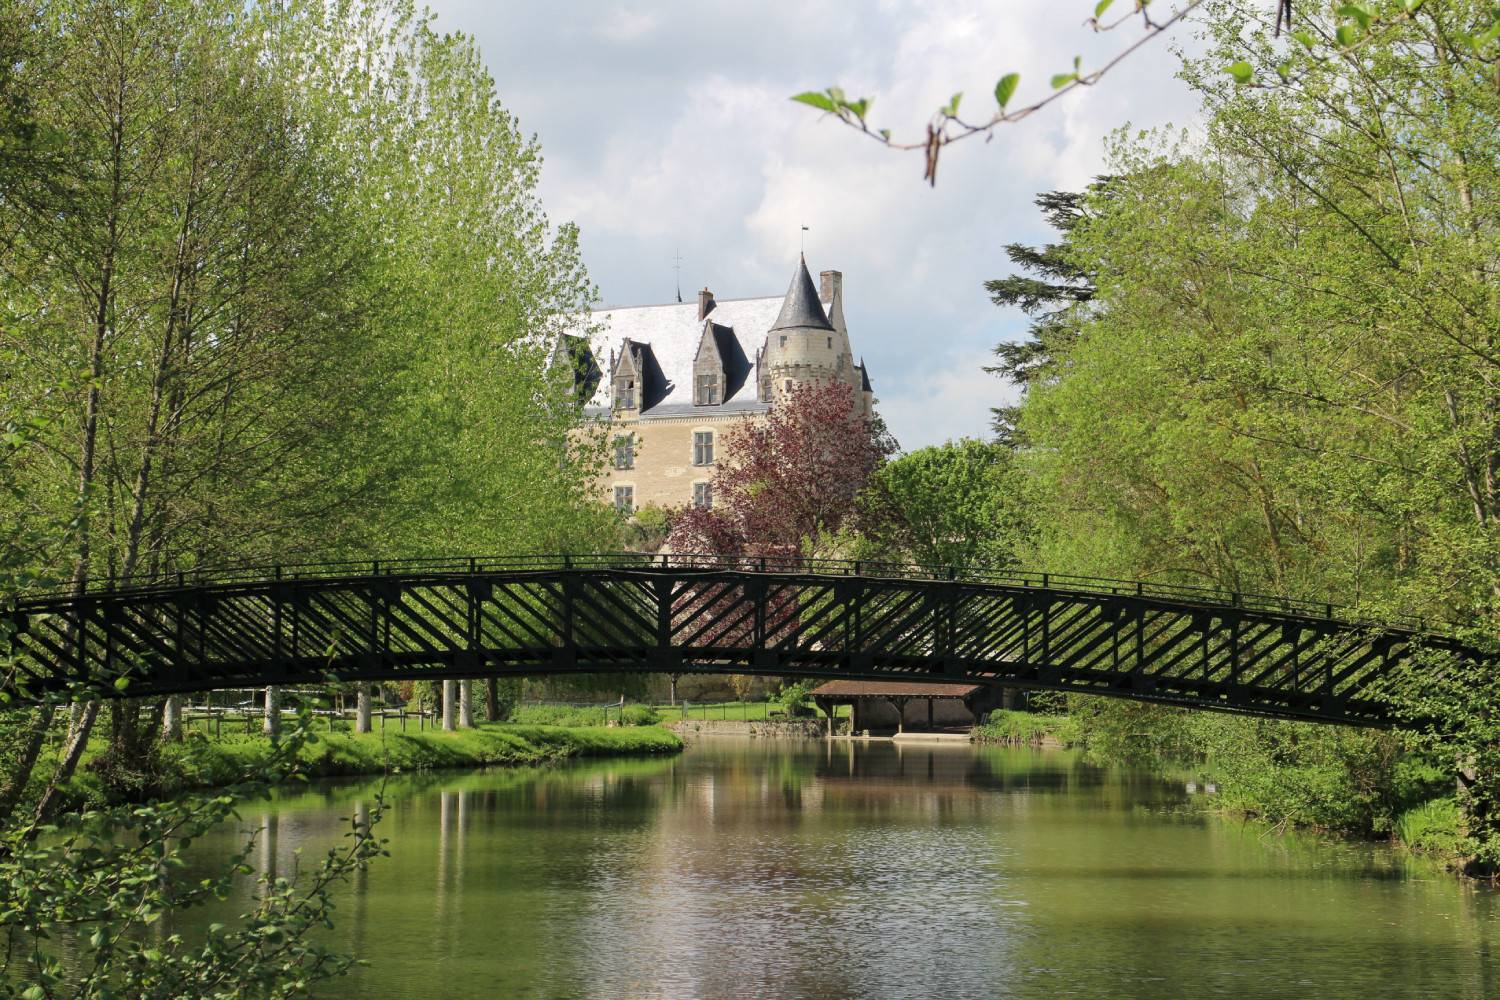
[706, 389]
[625, 393]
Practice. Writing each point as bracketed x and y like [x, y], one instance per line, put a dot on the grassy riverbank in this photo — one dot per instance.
[1026, 729]
[198, 762]
[1359, 784]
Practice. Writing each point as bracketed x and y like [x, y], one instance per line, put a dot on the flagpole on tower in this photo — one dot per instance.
[803, 248]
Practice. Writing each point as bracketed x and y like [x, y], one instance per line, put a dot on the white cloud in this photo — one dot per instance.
[625, 26]
[670, 129]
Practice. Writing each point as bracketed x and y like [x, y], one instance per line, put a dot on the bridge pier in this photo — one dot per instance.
[466, 703]
[362, 708]
[449, 715]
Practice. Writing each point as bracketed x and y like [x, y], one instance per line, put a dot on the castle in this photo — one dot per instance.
[672, 379]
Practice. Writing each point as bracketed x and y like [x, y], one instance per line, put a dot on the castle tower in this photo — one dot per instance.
[803, 345]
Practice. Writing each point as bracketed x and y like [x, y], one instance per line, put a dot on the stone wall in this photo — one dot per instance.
[664, 472]
[690, 729]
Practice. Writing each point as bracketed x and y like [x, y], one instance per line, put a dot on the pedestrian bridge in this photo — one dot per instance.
[482, 617]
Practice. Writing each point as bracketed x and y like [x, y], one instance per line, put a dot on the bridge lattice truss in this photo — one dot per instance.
[550, 615]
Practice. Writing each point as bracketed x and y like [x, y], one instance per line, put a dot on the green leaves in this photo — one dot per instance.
[1101, 7]
[816, 100]
[834, 102]
[1006, 89]
[1358, 12]
[1061, 80]
[1242, 72]
[952, 109]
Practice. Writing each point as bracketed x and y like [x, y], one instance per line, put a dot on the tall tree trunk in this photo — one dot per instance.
[171, 719]
[271, 721]
[31, 747]
[103, 304]
[492, 699]
[68, 762]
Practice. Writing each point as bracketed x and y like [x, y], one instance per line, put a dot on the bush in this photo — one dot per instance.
[640, 715]
[1434, 827]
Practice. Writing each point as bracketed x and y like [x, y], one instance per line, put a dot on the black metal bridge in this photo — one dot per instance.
[452, 618]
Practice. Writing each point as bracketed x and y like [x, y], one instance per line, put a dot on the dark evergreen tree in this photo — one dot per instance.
[1052, 294]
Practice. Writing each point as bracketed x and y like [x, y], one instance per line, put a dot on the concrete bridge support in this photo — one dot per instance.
[466, 703]
[362, 709]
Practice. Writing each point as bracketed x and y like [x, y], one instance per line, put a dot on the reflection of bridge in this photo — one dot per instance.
[558, 614]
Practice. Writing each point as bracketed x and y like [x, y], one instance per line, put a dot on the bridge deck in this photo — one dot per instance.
[826, 619]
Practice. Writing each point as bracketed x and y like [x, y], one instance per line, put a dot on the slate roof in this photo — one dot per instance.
[672, 332]
[893, 689]
[801, 307]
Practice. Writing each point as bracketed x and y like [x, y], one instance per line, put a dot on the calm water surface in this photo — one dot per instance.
[766, 869]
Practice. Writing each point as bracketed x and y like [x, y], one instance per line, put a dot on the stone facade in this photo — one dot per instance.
[672, 380]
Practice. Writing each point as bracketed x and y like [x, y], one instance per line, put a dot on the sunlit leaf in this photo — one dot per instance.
[1357, 12]
[1242, 71]
[816, 100]
[1006, 88]
[1101, 7]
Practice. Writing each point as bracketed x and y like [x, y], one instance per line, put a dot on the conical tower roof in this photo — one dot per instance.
[801, 309]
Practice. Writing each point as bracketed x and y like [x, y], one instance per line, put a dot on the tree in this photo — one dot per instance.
[788, 481]
[1357, 27]
[1286, 381]
[959, 504]
[1055, 298]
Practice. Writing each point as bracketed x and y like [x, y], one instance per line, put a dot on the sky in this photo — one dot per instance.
[667, 130]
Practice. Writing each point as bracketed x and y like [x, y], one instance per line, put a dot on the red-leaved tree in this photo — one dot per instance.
[783, 487]
[787, 482]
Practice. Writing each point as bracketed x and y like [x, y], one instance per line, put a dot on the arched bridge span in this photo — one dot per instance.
[427, 619]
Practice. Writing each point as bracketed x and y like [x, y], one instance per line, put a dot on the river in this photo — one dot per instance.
[763, 868]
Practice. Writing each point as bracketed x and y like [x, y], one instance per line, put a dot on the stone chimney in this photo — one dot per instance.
[829, 282]
[705, 303]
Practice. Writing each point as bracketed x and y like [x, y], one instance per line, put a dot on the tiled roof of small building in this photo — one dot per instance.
[894, 689]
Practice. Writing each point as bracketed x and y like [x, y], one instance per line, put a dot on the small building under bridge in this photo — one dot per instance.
[883, 707]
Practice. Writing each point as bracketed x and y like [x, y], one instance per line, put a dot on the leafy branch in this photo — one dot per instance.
[947, 127]
[1358, 26]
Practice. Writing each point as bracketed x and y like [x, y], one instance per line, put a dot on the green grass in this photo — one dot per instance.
[199, 762]
[1024, 728]
[1434, 827]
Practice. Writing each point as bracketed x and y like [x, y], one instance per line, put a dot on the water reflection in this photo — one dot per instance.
[837, 869]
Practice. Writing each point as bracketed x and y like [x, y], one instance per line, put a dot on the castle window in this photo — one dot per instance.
[706, 390]
[703, 495]
[783, 340]
[624, 393]
[830, 343]
[625, 451]
[625, 499]
[788, 385]
[703, 447]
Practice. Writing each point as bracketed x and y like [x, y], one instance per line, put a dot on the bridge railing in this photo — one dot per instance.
[778, 564]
